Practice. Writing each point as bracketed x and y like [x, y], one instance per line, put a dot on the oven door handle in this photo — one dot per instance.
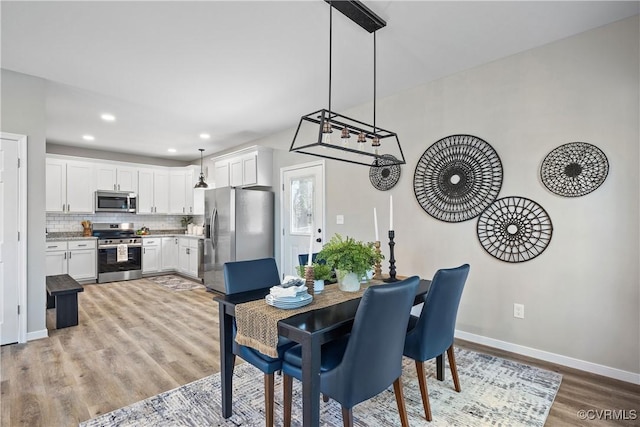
[129, 245]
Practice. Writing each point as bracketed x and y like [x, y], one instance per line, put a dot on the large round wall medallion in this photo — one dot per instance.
[574, 169]
[383, 174]
[514, 229]
[457, 178]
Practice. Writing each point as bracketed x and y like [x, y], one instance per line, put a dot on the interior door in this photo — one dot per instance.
[9, 277]
[302, 213]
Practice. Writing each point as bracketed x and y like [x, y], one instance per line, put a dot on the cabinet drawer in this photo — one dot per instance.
[151, 242]
[56, 246]
[81, 244]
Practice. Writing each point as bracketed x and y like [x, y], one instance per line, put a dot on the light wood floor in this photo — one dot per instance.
[136, 339]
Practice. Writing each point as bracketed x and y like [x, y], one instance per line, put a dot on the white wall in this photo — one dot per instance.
[581, 295]
[23, 112]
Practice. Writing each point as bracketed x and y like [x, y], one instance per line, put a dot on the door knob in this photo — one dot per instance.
[318, 240]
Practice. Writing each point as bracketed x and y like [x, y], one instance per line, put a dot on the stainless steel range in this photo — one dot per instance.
[119, 252]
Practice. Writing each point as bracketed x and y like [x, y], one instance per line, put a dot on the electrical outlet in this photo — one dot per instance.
[518, 310]
[339, 219]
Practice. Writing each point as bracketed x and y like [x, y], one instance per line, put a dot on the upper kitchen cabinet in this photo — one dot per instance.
[181, 190]
[69, 186]
[153, 194]
[116, 178]
[251, 167]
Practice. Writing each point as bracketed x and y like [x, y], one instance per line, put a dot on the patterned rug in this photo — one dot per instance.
[176, 283]
[494, 392]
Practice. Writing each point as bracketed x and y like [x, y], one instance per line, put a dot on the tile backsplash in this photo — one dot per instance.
[57, 223]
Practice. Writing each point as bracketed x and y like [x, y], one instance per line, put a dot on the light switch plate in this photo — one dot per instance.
[339, 219]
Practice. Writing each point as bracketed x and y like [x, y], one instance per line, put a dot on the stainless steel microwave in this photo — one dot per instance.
[116, 201]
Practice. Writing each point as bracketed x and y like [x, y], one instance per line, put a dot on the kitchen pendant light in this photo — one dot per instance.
[313, 133]
[201, 183]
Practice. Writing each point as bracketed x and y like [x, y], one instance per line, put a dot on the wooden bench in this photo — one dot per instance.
[62, 294]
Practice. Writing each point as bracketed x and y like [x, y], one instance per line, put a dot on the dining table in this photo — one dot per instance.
[310, 329]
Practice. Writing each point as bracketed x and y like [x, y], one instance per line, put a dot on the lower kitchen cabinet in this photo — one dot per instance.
[169, 257]
[189, 256]
[151, 254]
[167, 254]
[75, 257]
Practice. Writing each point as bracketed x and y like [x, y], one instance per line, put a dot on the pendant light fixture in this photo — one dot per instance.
[201, 183]
[313, 135]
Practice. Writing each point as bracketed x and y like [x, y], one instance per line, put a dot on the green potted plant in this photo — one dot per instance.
[185, 221]
[351, 260]
[320, 271]
[322, 274]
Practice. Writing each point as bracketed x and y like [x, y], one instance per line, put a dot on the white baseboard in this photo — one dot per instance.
[559, 359]
[36, 335]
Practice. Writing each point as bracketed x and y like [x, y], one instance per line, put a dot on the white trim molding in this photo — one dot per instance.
[36, 335]
[594, 368]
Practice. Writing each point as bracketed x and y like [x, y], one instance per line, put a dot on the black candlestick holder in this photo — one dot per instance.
[392, 259]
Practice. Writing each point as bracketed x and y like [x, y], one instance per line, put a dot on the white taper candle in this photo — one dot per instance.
[390, 212]
[310, 246]
[375, 223]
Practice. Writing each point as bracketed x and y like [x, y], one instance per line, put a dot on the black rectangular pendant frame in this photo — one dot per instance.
[359, 13]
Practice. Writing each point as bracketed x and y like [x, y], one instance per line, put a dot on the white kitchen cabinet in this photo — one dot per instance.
[189, 189]
[177, 196]
[181, 190]
[221, 173]
[198, 201]
[56, 258]
[75, 257]
[169, 253]
[235, 172]
[189, 256]
[250, 167]
[116, 178]
[82, 259]
[153, 194]
[69, 186]
[151, 254]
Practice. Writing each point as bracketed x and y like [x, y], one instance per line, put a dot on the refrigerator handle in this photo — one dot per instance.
[212, 227]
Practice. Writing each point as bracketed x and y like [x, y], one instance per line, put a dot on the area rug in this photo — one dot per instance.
[495, 392]
[176, 283]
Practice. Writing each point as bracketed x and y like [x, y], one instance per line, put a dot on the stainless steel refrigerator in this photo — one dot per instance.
[238, 226]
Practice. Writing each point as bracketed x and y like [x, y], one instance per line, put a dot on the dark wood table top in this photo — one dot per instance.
[61, 284]
[314, 320]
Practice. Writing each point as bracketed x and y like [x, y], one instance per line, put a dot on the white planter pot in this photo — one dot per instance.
[367, 277]
[347, 281]
[318, 286]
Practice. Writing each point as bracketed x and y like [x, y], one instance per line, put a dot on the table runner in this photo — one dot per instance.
[257, 321]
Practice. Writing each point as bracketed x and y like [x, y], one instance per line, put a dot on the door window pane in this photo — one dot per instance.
[301, 209]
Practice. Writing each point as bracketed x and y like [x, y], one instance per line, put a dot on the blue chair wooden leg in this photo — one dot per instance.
[268, 398]
[287, 390]
[454, 368]
[347, 417]
[402, 409]
[422, 380]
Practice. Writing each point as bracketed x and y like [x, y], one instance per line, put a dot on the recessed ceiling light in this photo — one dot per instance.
[205, 136]
[88, 137]
[171, 150]
[108, 117]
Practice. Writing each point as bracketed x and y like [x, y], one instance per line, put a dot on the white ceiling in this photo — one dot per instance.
[240, 70]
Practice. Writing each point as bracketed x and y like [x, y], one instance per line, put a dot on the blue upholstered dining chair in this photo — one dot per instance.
[364, 363]
[431, 334]
[304, 258]
[242, 276]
